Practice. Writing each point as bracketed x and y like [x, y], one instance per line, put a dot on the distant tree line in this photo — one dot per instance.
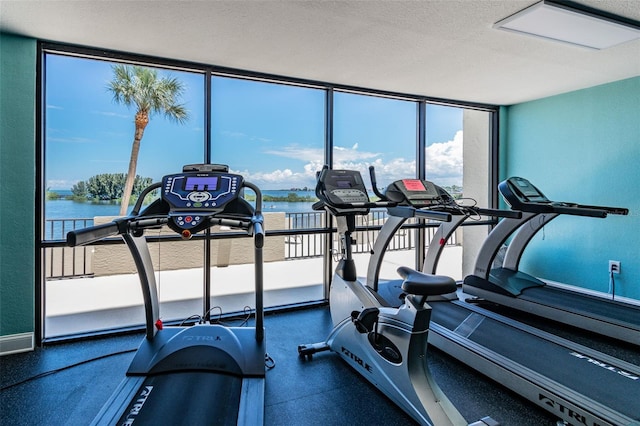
[107, 187]
[291, 197]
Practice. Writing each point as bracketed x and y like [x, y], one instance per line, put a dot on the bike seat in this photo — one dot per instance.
[420, 284]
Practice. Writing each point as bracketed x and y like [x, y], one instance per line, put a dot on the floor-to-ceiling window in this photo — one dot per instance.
[276, 132]
[381, 132]
[88, 137]
[272, 134]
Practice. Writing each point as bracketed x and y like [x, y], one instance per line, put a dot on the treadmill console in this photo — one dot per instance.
[521, 195]
[417, 193]
[524, 190]
[194, 196]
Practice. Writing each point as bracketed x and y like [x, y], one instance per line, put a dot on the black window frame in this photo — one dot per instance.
[209, 71]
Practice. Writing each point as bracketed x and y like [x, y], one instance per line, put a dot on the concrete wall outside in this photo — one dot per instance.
[475, 151]
[173, 255]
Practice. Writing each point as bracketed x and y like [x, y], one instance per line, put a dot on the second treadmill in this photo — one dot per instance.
[508, 286]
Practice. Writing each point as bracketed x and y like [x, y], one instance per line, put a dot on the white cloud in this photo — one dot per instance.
[60, 184]
[299, 153]
[352, 155]
[344, 158]
[444, 161]
[279, 179]
[395, 169]
[259, 139]
[444, 165]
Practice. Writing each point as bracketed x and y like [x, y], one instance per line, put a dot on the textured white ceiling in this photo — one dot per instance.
[436, 48]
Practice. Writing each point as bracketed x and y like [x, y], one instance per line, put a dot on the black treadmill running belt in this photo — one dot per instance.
[187, 398]
[592, 378]
[592, 306]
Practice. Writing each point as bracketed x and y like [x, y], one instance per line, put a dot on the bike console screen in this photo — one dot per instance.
[342, 192]
[341, 187]
[196, 196]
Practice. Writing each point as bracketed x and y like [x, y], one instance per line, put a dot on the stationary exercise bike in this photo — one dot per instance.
[386, 345]
[193, 374]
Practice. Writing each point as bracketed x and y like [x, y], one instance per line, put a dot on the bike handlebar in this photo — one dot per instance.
[374, 183]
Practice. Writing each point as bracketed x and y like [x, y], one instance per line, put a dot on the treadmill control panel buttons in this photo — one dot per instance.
[195, 196]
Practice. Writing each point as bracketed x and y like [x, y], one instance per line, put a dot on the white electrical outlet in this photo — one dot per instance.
[614, 266]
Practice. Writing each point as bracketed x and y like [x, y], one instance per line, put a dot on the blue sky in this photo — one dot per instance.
[271, 133]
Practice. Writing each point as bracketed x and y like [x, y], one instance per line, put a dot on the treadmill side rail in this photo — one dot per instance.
[251, 410]
[569, 401]
[112, 410]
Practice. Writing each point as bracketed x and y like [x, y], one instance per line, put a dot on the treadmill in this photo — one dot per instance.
[579, 385]
[204, 373]
[507, 285]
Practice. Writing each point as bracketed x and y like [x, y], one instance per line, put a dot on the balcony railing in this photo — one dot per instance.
[302, 239]
[66, 262]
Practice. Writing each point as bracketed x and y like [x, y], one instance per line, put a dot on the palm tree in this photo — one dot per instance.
[141, 88]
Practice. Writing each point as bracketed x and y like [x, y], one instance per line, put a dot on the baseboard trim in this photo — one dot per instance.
[595, 293]
[15, 343]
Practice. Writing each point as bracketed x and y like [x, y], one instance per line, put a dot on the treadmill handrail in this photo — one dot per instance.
[610, 210]
[576, 210]
[580, 208]
[369, 205]
[507, 214]
[458, 209]
[92, 234]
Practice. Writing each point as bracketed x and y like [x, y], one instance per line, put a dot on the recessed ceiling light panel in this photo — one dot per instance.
[560, 22]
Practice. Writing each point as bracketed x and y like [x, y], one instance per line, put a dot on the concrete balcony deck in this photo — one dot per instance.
[83, 305]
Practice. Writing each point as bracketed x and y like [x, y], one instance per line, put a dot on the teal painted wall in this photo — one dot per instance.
[584, 147]
[17, 183]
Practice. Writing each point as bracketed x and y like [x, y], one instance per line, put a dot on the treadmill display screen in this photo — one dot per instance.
[527, 189]
[206, 183]
[413, 185]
